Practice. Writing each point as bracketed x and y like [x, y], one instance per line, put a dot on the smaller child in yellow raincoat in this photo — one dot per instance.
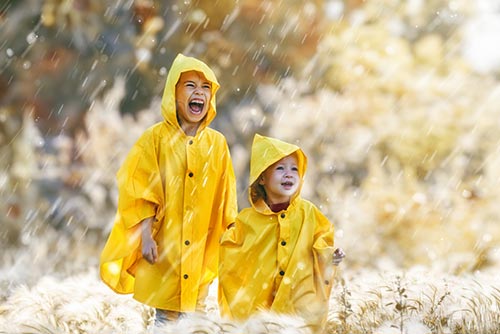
[278, 256]
[177, 194]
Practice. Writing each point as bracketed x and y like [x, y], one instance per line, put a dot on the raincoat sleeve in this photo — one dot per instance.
[314, 307]
[323, 241]
[230, 197]
[231, 240]
[228, 210]
[140, 197]
[139, 183]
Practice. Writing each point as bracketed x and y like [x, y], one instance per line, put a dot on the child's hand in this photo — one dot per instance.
[148, 245]
[338, 256]
[149, 250]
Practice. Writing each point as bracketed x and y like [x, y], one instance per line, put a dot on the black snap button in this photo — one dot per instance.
[186, 242]
[185, 276]
[283, 243]
[190, 142]
[282, 273]
[327, 282]
[190, 174]
[282, 215]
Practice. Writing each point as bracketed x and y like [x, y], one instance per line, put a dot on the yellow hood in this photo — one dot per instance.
[266, 151]
[180, 65]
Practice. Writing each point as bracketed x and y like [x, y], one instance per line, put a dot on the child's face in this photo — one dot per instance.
[281, 180]
[192, 97]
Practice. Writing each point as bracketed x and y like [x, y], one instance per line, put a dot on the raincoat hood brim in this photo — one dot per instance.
[180, 65]
[266, 151]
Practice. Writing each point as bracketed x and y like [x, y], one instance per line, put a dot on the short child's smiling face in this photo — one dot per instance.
[193, 93]
[281, 180]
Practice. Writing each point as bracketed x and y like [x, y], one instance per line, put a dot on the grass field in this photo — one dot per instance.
[366, 301]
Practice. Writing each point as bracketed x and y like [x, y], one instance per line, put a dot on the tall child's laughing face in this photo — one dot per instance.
[193, 93]
[281, 180]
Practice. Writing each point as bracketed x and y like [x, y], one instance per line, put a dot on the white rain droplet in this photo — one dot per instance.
[40, 142]
[487, 238]
[301, 266]
[143, 55]
[419, 198]
[31, 38]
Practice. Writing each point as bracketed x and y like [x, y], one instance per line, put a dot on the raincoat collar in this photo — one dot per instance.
[265, 152]
[180, 65]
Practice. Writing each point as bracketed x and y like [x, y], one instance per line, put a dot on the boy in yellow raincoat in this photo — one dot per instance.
[278, 256]
[177, 194]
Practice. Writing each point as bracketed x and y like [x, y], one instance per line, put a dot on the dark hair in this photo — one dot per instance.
[257, 191]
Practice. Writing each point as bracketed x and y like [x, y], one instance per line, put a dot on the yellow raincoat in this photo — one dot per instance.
[280, 262]
[187, 183]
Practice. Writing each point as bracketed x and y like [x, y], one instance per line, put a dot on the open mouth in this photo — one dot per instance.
[196, 106]
[287, 184]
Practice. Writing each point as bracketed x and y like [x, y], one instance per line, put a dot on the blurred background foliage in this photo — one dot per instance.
[399, 122]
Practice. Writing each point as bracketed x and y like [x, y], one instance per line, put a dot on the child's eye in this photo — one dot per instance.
[189, 84]
[207, 86]
[295, 169]
[280, 168]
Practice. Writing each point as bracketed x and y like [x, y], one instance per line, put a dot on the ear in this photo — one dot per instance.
[261, 180]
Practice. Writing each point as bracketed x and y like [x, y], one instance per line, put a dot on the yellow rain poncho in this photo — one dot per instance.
[187, 183]
[279, 262]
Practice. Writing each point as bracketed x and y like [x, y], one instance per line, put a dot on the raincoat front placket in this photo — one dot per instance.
[190, 272]
[283, 245]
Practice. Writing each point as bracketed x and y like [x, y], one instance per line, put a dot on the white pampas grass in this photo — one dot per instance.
[414, 301]
[264, 322]
[78, 304]
[83, 304]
